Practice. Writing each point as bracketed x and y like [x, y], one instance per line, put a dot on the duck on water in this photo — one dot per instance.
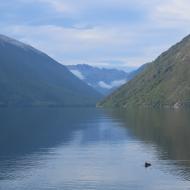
[146, 165]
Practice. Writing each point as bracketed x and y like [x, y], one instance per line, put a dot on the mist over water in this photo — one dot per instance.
[88, 148]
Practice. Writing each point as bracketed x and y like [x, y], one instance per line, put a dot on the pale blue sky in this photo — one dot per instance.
[111, 33]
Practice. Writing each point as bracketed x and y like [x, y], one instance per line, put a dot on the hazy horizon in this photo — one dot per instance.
[113, 34]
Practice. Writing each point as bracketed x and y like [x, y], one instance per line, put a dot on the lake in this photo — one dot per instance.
[94, 149]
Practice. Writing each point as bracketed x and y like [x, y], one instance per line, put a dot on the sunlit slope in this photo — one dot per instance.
[164, 82]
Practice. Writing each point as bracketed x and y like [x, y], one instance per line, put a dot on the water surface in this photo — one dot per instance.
[88, 148]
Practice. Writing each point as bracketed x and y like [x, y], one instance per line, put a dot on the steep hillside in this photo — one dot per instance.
[164, 82]
[29, 77]
[134, 73]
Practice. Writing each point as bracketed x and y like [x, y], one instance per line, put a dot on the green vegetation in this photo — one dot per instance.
[164, 82]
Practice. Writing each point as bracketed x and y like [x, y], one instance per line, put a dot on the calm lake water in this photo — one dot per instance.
[94, 149]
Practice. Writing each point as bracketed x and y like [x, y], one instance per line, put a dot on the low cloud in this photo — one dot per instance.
[113, 84]
[78, 74]
[117, 83]
[102, 84]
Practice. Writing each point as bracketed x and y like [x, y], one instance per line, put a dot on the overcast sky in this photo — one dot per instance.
[111, 33]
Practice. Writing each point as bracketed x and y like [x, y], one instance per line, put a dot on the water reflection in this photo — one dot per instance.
[167, 130]
[95, 149]
[25, 133]
[30, 129]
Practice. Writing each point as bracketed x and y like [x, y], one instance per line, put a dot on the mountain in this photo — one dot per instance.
[29, 77]
[134, 73]
[103, 80]
[164, 82]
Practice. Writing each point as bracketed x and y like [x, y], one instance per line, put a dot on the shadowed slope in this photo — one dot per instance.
[29, 77]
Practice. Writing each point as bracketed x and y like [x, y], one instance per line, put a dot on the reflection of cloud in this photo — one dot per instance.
[78, 74]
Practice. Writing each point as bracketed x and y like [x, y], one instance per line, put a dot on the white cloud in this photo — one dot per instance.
[92, 38]
[113, 84]
[81, 5]
[60, 6]
[117, 83]
[78, 74]
[172, 13]
[157, 10]
[93, 45]
[102, 84]
[72, 44]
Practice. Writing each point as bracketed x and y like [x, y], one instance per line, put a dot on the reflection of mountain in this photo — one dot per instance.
[103, 132]
[169, 130]
[65, 141]
[33, 133]
[25, 131]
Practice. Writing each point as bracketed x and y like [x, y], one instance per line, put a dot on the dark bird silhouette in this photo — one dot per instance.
[146, 165]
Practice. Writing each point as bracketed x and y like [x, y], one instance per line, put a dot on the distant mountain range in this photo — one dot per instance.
[164, 82]
[29, 77]
[103, 80]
